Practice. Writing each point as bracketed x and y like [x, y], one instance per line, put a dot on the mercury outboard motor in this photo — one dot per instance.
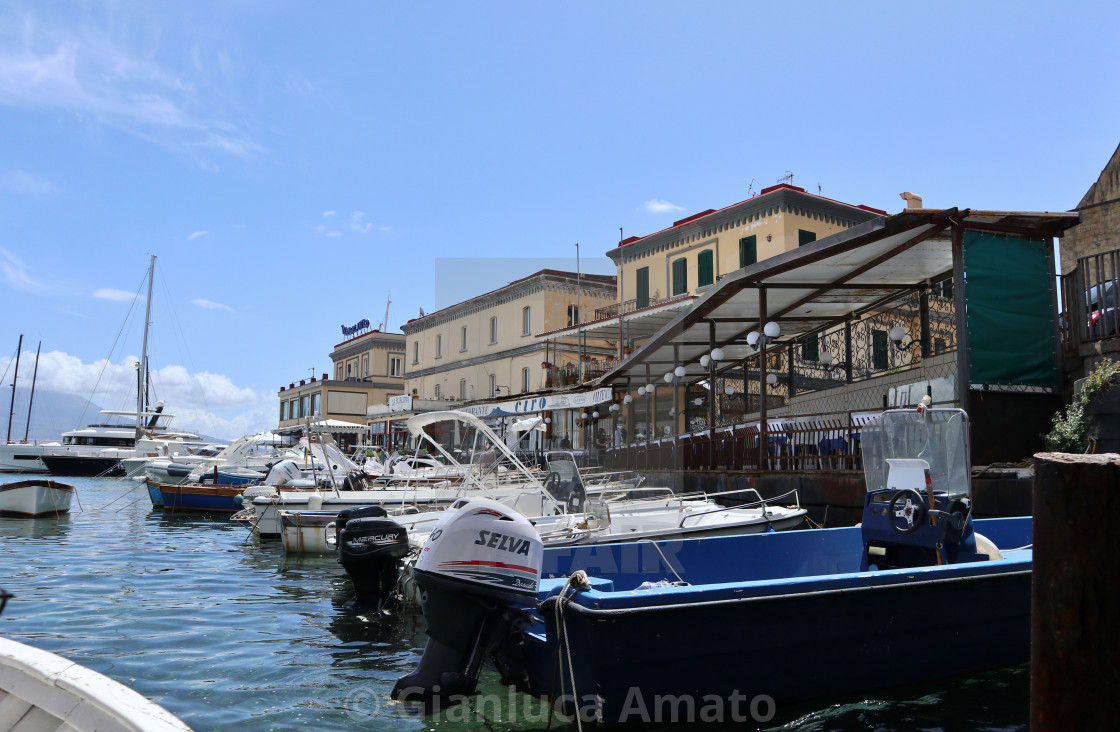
[370, 548]
[478, 571]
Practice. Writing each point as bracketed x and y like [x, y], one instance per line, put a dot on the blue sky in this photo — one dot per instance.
[294, 165]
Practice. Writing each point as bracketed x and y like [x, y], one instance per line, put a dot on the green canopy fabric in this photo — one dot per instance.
[1010, 311]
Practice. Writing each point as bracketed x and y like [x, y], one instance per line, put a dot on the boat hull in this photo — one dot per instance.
[195, 497]
[32, 498]
[665, 654]
[83, 466]
[16, 458]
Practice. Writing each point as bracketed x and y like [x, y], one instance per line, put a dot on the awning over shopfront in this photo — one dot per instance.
[541, 403]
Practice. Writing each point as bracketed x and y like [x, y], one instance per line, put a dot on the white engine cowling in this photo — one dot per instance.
[487, 546]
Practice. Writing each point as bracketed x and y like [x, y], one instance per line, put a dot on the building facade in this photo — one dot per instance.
[491, 345]
[693, 253]
[1100, 218]
[368, 369]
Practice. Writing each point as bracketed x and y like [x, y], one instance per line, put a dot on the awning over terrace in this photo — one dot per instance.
[839, 278]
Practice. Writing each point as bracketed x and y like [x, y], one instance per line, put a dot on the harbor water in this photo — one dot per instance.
[230, 634]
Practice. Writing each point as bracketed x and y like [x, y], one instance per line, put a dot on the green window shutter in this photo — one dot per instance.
[805, 237]
[704, 269]
[642, 297]
[811, 348]
[680, 277]
[748, 251]
[879, 350]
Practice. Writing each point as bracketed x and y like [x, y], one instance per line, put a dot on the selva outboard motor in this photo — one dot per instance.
[478, 571]
[370, 548]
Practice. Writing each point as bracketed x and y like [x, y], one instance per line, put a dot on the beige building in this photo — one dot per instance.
[368, 369]
[696, 251]
[497, 344]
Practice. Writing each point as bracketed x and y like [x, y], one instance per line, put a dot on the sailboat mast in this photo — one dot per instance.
[140, 405]
[34, 378]
[15, 377]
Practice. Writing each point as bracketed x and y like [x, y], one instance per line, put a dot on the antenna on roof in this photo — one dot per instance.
[388, 302]
[620, 233]
[818, 189]
[750, 189]
[787, 178]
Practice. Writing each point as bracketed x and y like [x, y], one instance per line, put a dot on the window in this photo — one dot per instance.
[493, 385]
[642, 290]
[705, 269]
[939, 346]
[573, 315]
[316, 403]
[416, 352]
[524, 381]
[437, 391]
[365, 365]
[493, 330]
[283, 411]
[748, 251]
[395, 365]
[439, 346]
[462, 388]
[293, 409]
[463, 339]
[526, 321]
[349, 370]
[879, 350]
[944, 288]
[805, 237]
[680, 276]
[811, 348]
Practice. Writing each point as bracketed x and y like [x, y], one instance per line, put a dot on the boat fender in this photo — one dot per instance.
[984, 545]
[315, 501]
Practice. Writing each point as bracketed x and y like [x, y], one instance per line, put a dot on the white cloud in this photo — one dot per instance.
[328, 214]
[659, 206]
[197, 234]
[209, 305]
[86, 72]
[18, 181]
[108, 293]
[201, 402]
[358, 222]
[324, 231]
[14, 272]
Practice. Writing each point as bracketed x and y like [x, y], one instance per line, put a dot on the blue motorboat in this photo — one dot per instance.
[692, 629]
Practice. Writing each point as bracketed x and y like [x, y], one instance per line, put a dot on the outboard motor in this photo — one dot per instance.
[370, 548]
[283, 472]
[478, 571]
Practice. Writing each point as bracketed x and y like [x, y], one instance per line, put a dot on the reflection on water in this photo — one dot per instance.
[228, 633]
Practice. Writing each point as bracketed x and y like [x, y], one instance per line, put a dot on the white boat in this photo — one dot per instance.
[20, 456]
[40, 690]
[555, 501]
[97, 450]
[35, 497]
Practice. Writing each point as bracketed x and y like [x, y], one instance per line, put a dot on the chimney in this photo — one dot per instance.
[324, 377]
[913, 200]
[292, 385]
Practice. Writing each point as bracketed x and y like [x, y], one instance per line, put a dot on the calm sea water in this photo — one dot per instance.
[229, 634]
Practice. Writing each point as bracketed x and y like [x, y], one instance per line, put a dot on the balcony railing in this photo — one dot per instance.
[569, 374]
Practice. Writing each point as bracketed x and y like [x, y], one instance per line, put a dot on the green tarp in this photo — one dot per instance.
[1010, 311]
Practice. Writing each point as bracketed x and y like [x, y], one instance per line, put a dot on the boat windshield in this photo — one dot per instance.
[937, 436]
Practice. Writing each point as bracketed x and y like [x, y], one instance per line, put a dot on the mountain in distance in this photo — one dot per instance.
[53, 413]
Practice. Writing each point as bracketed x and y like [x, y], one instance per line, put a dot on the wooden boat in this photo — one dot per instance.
[915, 592]
[206, 498]
[35, 497]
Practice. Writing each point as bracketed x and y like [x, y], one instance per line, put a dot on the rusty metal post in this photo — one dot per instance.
[1075, 592]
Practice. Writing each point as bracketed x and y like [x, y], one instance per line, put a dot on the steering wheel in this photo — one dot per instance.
[906, 511]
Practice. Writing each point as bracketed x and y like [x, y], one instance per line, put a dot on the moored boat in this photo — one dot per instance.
[195, 497]
[918, 591]
[40, 690]
[35, 497]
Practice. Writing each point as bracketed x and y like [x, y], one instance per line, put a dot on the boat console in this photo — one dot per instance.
[918, 508]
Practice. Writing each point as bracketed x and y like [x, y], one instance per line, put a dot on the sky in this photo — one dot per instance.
[294, 165]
